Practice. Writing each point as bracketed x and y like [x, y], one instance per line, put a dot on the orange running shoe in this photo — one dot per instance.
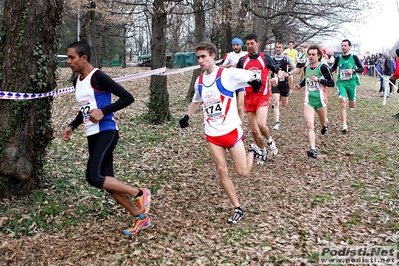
[138, 225]
[144, 201]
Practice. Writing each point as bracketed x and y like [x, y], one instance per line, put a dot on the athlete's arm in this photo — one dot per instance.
[327, 79]
[125, 98]
[270, 64]
[77, 121]
[240, 63]
[290, 63]
[359, 65]
[225, 60]
[335, 66]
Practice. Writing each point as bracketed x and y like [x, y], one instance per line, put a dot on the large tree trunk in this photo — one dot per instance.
[91, 34]
[199, 37]
[158, 107]
[28, 65]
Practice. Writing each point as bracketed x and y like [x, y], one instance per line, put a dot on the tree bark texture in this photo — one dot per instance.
[91, 33]
[199, 37]
[28, 65]
[158, 105]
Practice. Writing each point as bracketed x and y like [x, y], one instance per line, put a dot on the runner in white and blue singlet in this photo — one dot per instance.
[94, 91]
[215, 90]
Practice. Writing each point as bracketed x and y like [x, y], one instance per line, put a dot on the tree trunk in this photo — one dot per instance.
[28, 65]
[158, 106]
[199, 37]
[225, 45]
[91, 35]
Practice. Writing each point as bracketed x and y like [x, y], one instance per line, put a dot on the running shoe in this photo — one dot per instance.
[138, 225]
[276, 126]
[144, 201]
[237, 215]
[345, 129]
[324, 130]
[264, 157]
[273, 147]
[258, 153]
[312, 153]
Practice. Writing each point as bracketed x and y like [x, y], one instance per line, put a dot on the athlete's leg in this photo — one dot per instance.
[243, 160]
[261, 114]
[290, 81]
[219, 157]
[342, 95]
[342, 101]
[240, 105]
[276, 109]
[308, 114]
[284, 101]
[100, 173]
[322, 113]
[352, 97]
[126, 202]
[256, 134]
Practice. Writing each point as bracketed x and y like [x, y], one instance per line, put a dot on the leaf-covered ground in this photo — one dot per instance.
[293, 204]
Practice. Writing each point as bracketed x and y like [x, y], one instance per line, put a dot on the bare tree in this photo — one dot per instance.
[158, 106]
[28, 50]
[199, 14]
[305, 19]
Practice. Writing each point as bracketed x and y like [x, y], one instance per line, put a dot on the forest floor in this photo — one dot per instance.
[293, 204]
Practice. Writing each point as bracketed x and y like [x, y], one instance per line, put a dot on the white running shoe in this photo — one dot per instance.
[273, 147]
[345, 129]
[276, 126]
[264, 157]
[258, 153]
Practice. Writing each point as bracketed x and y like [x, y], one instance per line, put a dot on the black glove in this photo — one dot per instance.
[256, 84]
[184, 121]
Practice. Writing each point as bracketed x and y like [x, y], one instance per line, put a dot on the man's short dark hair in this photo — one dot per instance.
[251, 36]
[319, 50]
[207, 46]
[81, 48]
[349, 42]
[397, 52]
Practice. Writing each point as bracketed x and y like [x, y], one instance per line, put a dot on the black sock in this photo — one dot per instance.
[139, 194]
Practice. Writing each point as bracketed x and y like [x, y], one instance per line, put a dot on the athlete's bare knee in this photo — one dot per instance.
[222, 170]
[309, 125]
[262, 127]
[255, 132]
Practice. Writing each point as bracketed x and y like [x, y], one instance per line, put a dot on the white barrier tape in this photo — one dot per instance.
[386, 79]
[158, 71]
[181, 70]
[185, 69]
[8, 95]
